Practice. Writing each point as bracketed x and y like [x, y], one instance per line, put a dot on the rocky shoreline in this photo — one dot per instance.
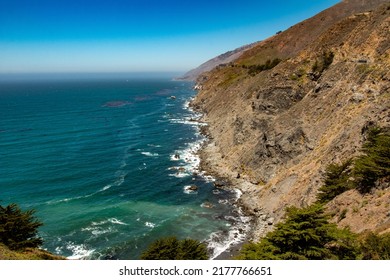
[211, 164]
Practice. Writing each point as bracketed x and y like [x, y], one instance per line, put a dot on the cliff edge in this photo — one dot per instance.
[291, 105]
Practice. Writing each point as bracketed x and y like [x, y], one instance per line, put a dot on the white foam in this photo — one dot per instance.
[238, 193]
[149, 154]
[149, 224]
[189, 157]
[153, 145]
[179, 175]
[106, 188]
[110, 220]
[223, 201]
[120, 174]
[187, 190]
[78, 251]
[71, 198]
[186, 105]
[116, 221]
[189, 120]
[239, 227]
[98, 232]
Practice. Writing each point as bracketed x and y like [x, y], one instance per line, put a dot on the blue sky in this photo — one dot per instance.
[136, 35]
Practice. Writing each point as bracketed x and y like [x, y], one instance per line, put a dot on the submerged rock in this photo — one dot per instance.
[207, 205]
[192, 188]
[219, 184]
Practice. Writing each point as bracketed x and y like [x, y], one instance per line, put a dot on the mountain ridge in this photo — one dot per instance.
[224, 58]
[273, 131]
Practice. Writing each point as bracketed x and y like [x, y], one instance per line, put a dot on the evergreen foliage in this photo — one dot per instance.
[18, 229]
[324, 62]
[376, 247]
[305, 234]
[269, 64]
[192, 250]
[170, 248]
[362, 173]
[336, 181]
[345, 245]
[374, 164]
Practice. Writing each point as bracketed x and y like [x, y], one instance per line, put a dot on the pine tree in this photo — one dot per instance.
[376, 247]
[305, 234]
[170, 248]
[18, 229]
[336, 181]
[375, 163]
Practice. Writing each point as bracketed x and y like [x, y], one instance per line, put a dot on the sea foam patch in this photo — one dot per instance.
[79, 251]
[188, 156]
[190, 189]
[149, 154]
[150, 224]
[219, 242]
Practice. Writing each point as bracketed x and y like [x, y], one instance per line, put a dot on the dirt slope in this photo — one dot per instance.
[278, 129]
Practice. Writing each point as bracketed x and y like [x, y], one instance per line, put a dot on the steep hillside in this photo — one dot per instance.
[274, 131]
[224, 58]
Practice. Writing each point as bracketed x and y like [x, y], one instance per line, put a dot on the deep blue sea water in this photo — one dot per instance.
[105, 162]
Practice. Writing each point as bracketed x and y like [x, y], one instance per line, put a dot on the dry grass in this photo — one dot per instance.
[27, 254]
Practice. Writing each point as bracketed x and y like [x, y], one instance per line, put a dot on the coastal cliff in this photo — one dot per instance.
[218, 61]
[289, 106]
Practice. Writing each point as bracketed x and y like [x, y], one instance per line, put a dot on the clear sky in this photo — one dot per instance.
[136, 35]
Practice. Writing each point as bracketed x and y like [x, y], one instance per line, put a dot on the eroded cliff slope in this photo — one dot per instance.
[274, 129]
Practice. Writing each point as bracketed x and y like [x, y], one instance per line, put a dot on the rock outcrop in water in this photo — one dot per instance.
[279, 127]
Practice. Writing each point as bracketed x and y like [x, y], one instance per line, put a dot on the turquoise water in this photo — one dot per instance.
[105, 161]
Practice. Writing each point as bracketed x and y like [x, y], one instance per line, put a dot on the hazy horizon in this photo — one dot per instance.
[122, 36]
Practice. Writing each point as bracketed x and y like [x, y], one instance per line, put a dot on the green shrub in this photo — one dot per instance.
[18, 229]
[255, 69]
[170, 248]
[322, 63]
[376, 247]
[336, 181]
[305, 234]
[345, 244]
[374, 164]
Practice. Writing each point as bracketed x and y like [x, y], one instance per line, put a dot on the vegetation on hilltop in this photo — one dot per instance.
[257, 68]
[18, 229]
[18, 235]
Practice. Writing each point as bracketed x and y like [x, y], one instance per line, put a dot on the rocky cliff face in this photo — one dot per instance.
[273, 131]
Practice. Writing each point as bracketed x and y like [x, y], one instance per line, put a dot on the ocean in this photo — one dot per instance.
[107, 162]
